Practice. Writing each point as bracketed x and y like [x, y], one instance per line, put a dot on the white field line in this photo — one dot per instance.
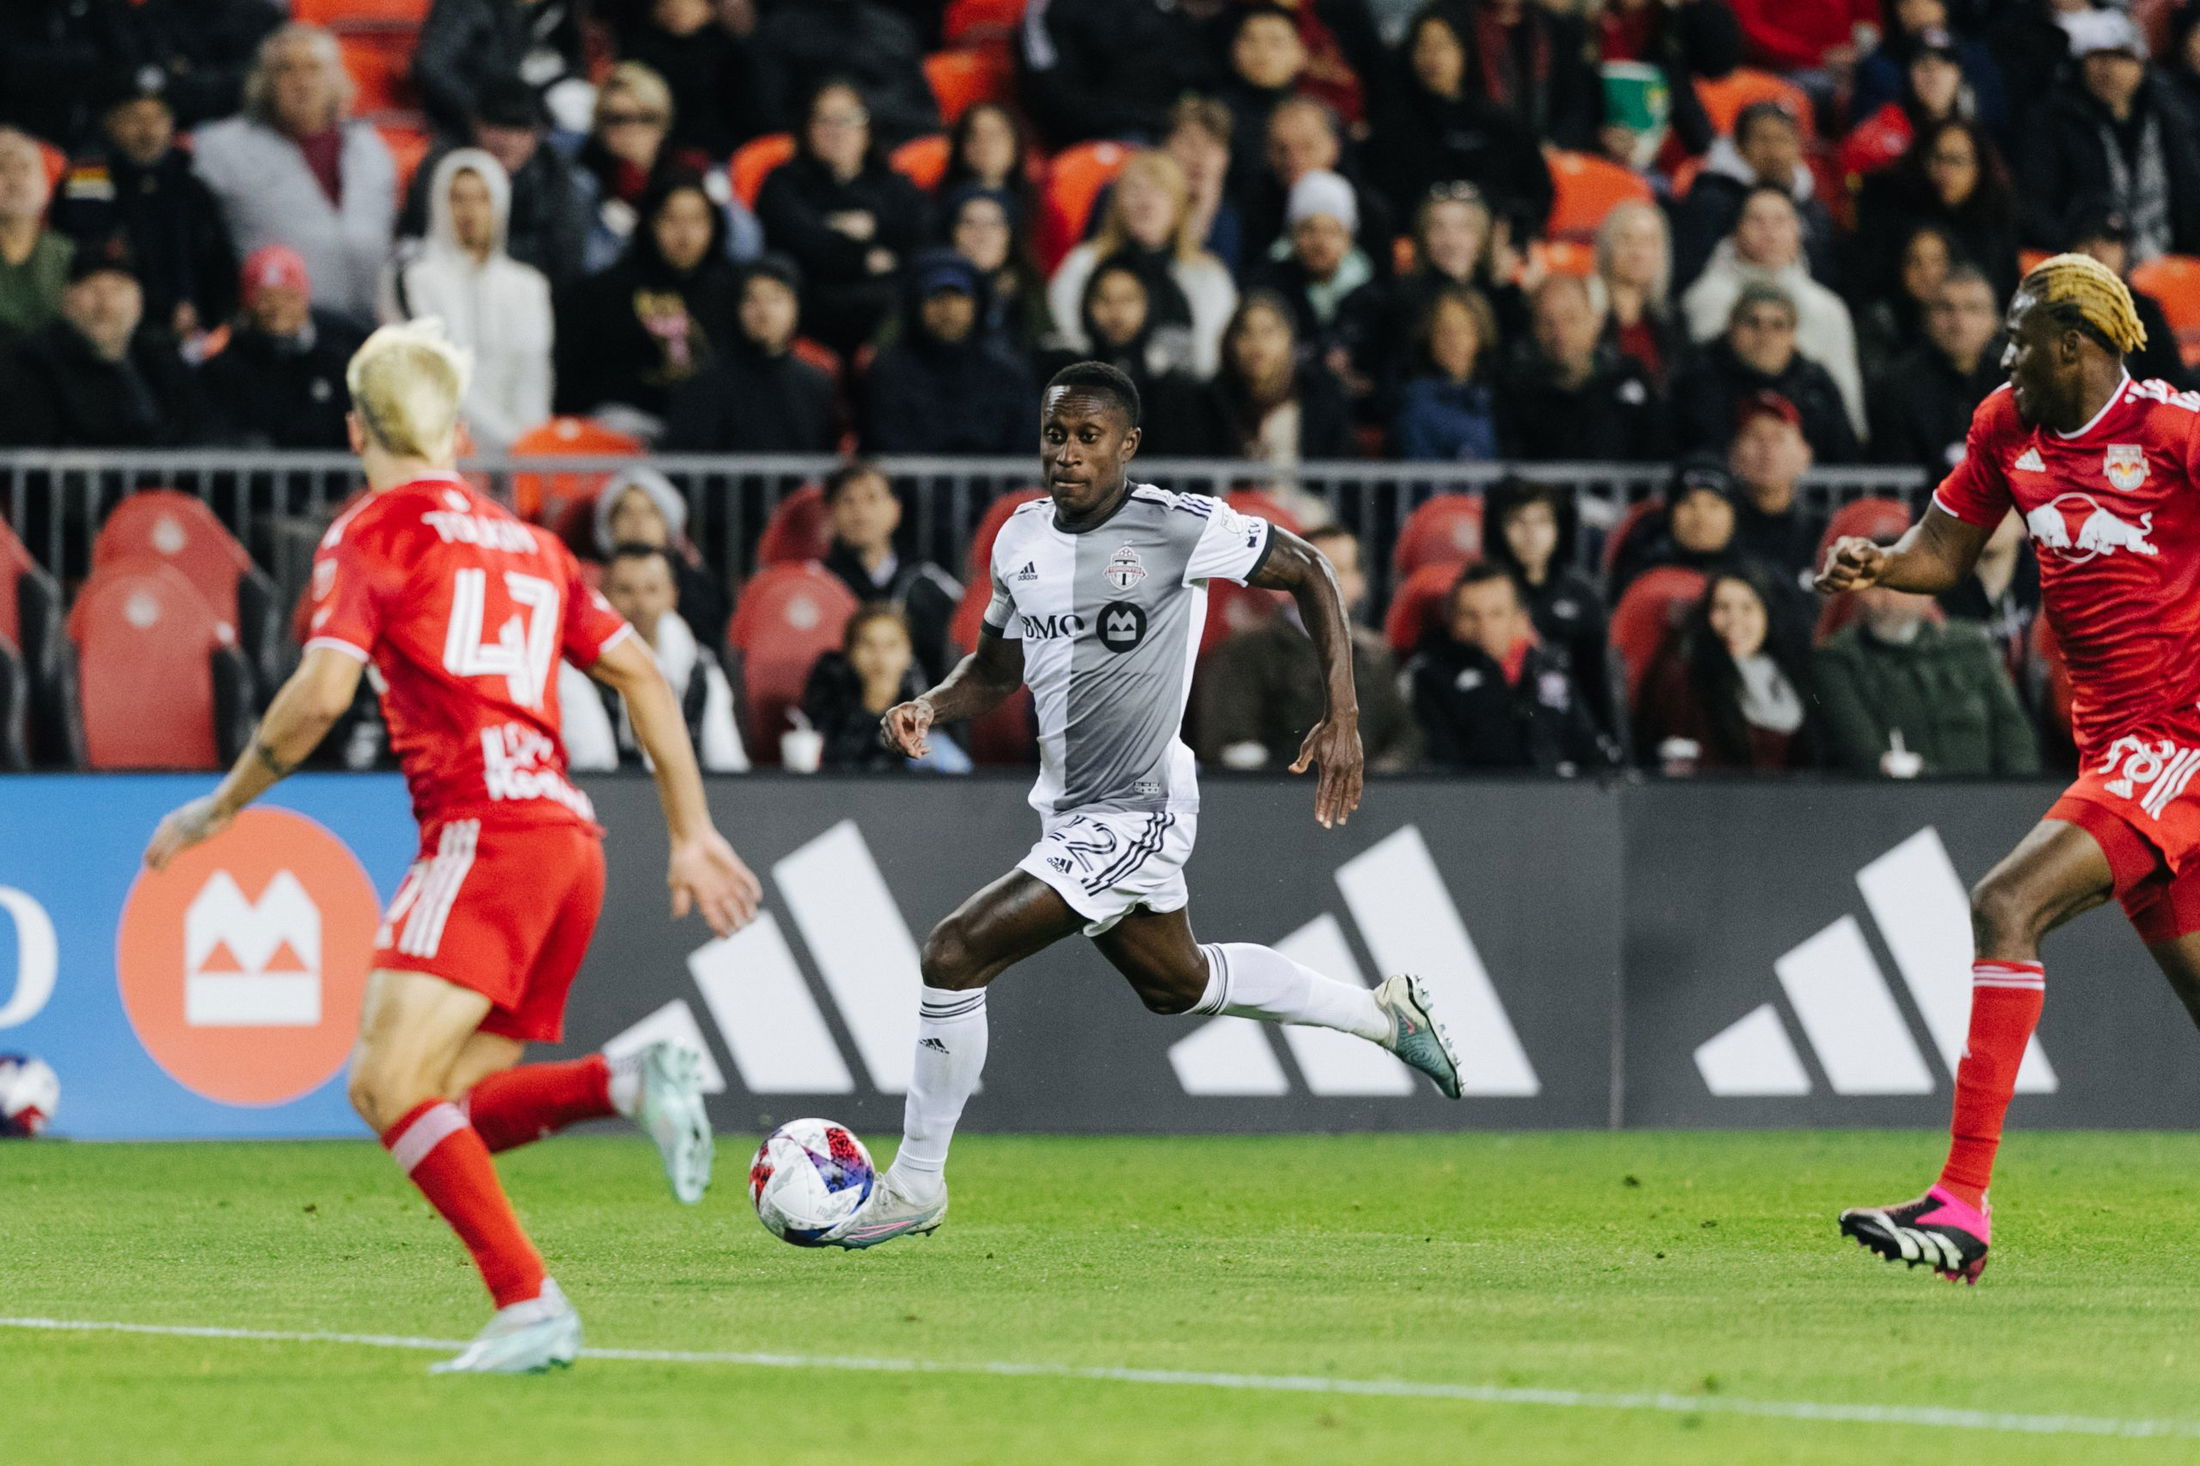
[1934, 1416]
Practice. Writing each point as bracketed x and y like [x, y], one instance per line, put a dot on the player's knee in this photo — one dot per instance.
[2005, 919]
[948, 960]
[381, 1091]
[1172, 994]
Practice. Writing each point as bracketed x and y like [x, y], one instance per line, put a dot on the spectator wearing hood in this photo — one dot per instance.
[98, 377]
[298, 169]
[552, 209]
[1572, 396]
[490, 304]
[139, 184]
[1766, 250]
[946, 385]
[799, 49]
[847, 218]
[640, 506]
[1329, 281]
[1149, 223]
[1693, 526]
[1766, 148]
[279, 383]
[1759, 353]
[34, 259]
[757, 396]
[629, 336]
[986, 227]
[628, 156]
[865, 515]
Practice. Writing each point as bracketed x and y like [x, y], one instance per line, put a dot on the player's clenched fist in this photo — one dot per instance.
[904, 727]
[1852, 564]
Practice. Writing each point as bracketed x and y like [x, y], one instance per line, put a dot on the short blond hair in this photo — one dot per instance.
[406, 385]
[2078, 290]
[1150, 165]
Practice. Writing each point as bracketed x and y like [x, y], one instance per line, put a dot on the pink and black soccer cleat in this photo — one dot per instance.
[1937, 1230]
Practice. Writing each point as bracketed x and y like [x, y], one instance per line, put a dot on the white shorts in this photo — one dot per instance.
[1105, 863]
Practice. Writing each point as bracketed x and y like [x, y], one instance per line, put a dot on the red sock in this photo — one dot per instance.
[435, 1146]
[2005, 1007]
[521, 1106]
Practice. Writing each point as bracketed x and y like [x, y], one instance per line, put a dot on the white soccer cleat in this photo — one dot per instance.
[524, 1338]
[1417, 1036]
[886, 1215]
[671, 1111]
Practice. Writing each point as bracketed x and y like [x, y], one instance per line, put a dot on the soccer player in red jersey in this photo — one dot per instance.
[459, 613]
[2106, 474]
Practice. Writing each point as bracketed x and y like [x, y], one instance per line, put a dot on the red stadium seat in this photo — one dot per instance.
[1724, 98]
[1445, 530]
[1647, 614]
[1263, 505]
[380, 63]
[977, 567]
[922, 160]
[408, 145]
[1586, 188]
[543, 497]
[754, 161]
[798, 531]
[148, 648]
[788, 616]
[969, 21]
[2174, 280]
[1417, 606]
[360, 12]
[162, 524]
[1073, 182]
[962, 79]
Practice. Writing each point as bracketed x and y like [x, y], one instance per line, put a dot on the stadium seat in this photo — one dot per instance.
[2174, 280]
[976, 571]
[798, 531]
[1073, 182]
[1444, 530]
[970, 21]
[178, 528]
[380, 63]
[408, 145]
[1586, 188]
[2029, 260]
[962, 79]
[1417, 606]
[1884, 520]
[160, 681]
[1263, 505]
[1615, 539]
[360, 12]
[30, 620]
[921, 160]
[788, 616]
[1724, 98]
[1648, 613]
[56, 161]
[754, 161]
[542, 497]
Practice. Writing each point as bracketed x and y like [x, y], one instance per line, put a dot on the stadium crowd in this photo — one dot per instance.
[1740, 237]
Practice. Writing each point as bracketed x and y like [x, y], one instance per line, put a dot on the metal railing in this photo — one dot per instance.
[275, 503]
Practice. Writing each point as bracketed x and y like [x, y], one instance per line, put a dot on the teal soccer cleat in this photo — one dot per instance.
[1417, 1036]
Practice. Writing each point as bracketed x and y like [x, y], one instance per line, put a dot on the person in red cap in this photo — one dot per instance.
[1768, 457]
[280, 381]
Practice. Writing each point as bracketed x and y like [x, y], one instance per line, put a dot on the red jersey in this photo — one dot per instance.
[2114, 515]
[461, 612]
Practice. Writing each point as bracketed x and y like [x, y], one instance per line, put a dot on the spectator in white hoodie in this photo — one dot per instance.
[490, 303]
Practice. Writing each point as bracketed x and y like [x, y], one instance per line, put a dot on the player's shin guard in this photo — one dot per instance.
[2006, 998]
[522, 1105]
[951, 1044]
[1245, 981]
[446, 1159]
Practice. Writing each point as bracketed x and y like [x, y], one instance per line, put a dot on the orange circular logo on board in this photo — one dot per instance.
[243, 964]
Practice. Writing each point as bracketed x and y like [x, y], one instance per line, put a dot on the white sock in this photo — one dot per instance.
[951, 1044]
[1246, 981]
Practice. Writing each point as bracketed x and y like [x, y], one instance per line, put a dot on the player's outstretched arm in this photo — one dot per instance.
[980, 683]
[705, 875]
[1934, 556]
[1333, 744]
[316, 695]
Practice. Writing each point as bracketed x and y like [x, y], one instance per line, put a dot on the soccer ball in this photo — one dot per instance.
[808, 1177]
[30, 1092]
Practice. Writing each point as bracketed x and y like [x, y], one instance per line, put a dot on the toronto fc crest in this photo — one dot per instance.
[1125, 569]
[2125, 465]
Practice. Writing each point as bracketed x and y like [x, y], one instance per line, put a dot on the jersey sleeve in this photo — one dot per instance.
[591, 626]
[355, 580]
[1231, 546]
[1976, 491]
[1000, 608]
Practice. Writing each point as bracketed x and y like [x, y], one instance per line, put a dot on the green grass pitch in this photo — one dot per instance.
[1703, 1266]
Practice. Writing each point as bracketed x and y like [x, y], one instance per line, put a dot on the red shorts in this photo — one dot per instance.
[505, 910]
[2140, 800]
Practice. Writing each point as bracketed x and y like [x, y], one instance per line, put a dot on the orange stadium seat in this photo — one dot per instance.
[407, 145]
[380, 63]
[56, 161]
[158, 675]
[788, 616]
[1073, 182]
[962, 79]
[798, 531]
[360, 12]
[922, 160]
[981, 20]
[2174, 280]
[1445, 530]
[1417, 605]
[754, 161]
[1565, 256]
[1586, 188]
[1724, 98]
[543, 497]
[1646, 617]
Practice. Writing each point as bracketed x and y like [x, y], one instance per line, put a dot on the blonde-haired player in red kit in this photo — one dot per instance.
[459, 612]
[2105, 472]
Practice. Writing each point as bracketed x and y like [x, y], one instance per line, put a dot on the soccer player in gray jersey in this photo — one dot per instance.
[1099, 596]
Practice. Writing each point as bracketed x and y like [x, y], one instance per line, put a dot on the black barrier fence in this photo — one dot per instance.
[1714, 954]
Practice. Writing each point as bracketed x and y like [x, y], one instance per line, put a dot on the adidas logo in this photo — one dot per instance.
[1397, 899]
[1029, 572]
[2029, 461]
[933, 1044]
[1849, 1015]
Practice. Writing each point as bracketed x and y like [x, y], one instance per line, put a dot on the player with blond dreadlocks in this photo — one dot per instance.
[2103, 471]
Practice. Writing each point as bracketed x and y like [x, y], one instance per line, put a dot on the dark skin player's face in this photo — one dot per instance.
[1085, 439]
[2045, 365]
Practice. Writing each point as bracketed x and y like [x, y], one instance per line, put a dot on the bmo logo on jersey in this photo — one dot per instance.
[1122, 626]
[2077, 528]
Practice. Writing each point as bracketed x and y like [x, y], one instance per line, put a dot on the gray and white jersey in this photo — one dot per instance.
[1110, 618]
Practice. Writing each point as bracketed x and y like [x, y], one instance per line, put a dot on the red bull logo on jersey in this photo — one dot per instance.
[2078, 529]
[2126, 466]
